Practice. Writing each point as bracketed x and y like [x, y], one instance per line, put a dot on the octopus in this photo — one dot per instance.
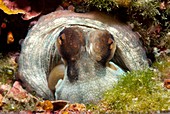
[78, 56]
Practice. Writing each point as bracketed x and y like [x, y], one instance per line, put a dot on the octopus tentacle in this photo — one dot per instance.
[39, 54]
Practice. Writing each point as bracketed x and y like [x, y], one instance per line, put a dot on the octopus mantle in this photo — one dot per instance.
[44, 47]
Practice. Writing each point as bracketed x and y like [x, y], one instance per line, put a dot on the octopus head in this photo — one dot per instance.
[86, 56]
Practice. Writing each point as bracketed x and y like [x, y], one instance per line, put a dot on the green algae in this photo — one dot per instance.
[136, 91]
[7, 69]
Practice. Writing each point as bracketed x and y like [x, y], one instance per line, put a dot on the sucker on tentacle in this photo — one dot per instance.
[40, 55]
[56, 74]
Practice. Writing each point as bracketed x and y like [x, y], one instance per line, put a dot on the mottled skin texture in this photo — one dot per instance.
[69, 46]
[86, 57]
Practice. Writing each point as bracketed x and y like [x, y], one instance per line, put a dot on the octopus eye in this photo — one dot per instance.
[69, 43]
[61, 38]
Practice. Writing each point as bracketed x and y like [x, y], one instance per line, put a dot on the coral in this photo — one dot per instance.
[14, 98]
[151, 21]
[15, 7]
[10, 7]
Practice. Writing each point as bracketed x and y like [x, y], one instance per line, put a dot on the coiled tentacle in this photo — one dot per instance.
[39, 53]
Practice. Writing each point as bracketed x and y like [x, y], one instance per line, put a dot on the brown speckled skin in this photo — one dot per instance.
[104, 46]
[85, 56]
[69, 45]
